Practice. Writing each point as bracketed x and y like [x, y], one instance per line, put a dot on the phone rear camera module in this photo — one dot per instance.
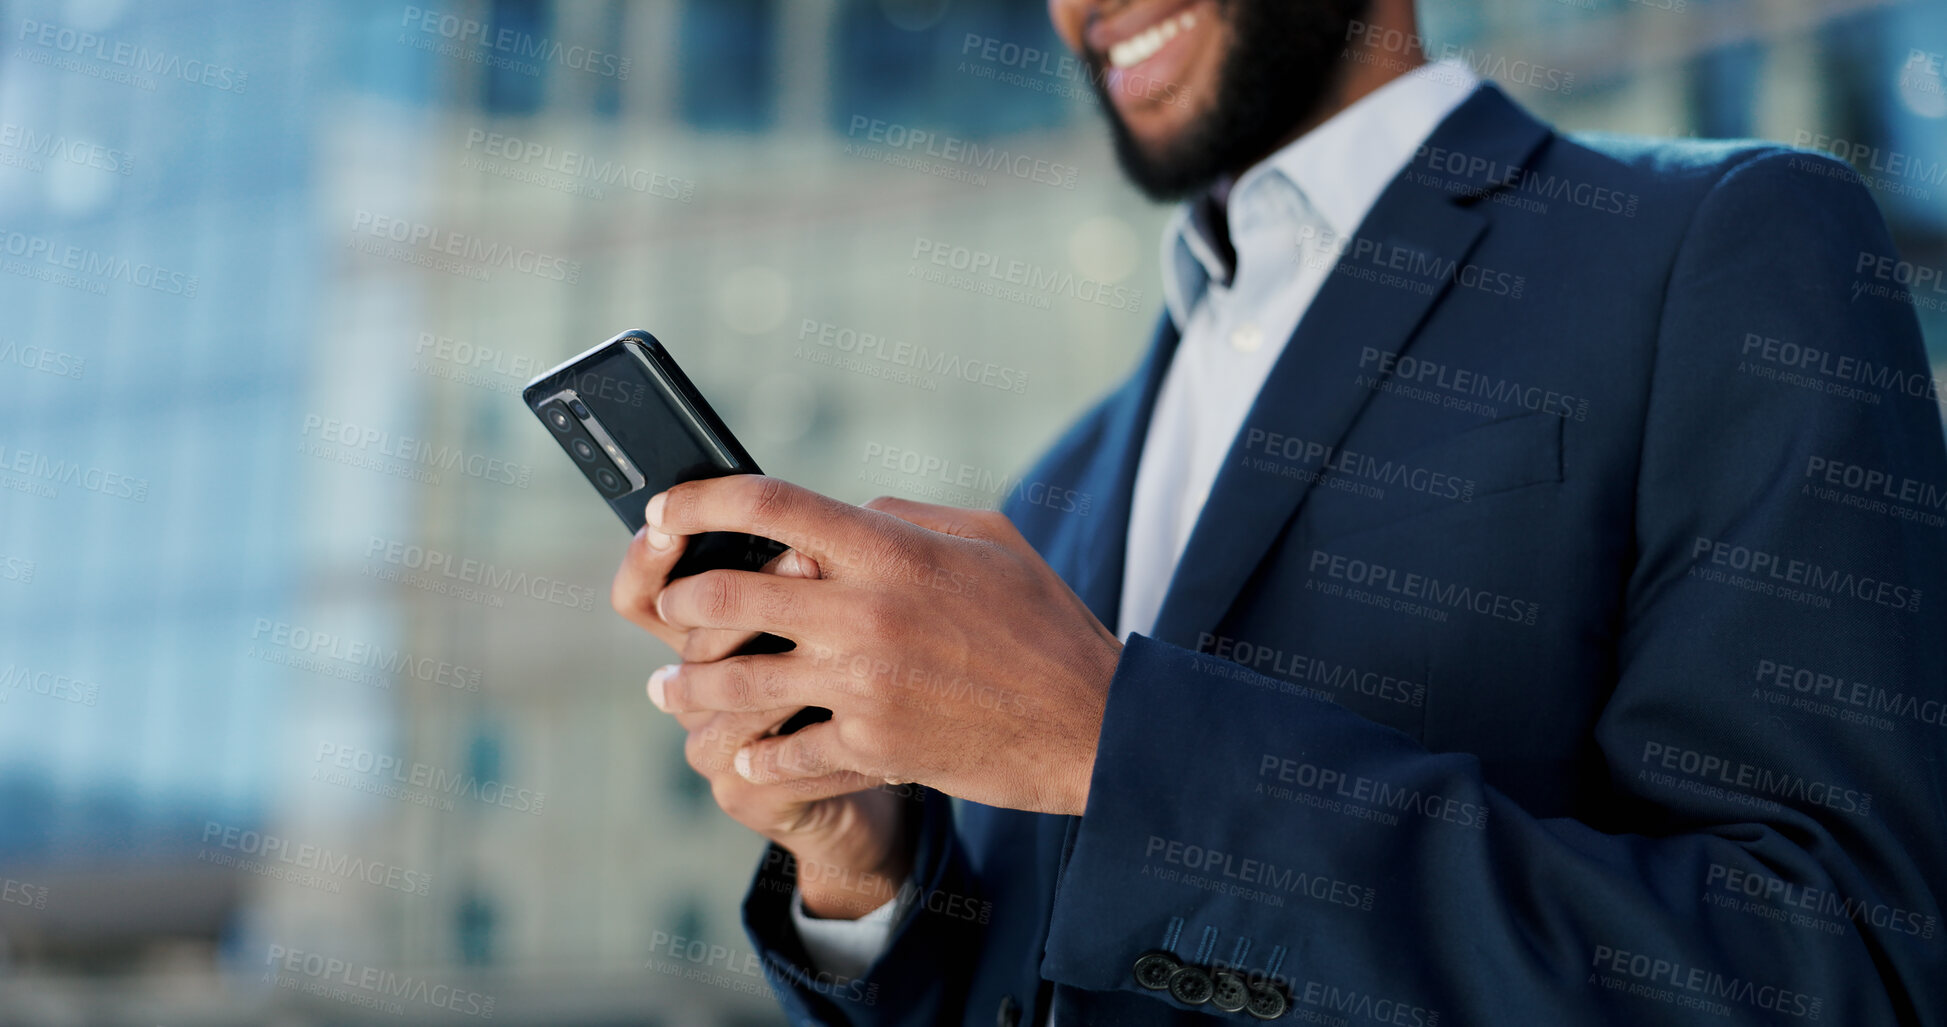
[578, 409]
[558, 419]
[609, 482]
[584, 450]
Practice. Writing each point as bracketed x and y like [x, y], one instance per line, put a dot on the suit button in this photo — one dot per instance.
[1267, 1003]
[1191, 986]
[1009, 1012]
[1229, 991]
[1153, 969]
[1247, 338]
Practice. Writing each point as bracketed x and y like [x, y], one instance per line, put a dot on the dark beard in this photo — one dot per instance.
[1284, 58]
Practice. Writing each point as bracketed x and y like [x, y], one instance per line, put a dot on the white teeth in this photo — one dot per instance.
[1143, 45]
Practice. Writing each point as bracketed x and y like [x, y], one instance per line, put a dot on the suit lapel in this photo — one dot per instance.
[1313, 392]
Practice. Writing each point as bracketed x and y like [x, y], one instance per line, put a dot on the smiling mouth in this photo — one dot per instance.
[1143, 45]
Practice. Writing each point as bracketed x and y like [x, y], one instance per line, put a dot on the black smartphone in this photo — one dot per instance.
[634, 425]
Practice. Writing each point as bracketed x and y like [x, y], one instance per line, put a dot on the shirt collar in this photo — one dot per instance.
[1334, 173]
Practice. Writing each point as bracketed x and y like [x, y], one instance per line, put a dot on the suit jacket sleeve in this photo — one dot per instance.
[923, 971]
[1727, 866]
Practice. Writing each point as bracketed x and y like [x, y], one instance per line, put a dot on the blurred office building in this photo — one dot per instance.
[312, 706]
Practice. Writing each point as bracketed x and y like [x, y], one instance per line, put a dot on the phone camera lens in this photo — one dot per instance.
[608, 480]
[579, 410]
[559, 419]
[584, 450]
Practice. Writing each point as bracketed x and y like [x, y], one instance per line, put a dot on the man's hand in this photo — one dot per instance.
[645, 571]
[947, 650]
[849, 834]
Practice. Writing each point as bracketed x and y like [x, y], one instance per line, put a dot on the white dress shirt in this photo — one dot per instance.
[1286, 216]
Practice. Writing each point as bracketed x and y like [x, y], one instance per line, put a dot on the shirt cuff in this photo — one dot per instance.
[847, 948]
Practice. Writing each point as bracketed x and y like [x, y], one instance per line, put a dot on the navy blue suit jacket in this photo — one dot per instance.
[1561, 642]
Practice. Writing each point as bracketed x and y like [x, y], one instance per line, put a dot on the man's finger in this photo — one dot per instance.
[739, 684]
[705, 645]
[810, 753]
[760, 723]
[715, 737]
[811, 789]
[640, 578]
[947, 520]
[844, 782]
[745, 601]
[819, 526]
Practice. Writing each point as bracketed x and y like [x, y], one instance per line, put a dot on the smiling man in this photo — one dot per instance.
[1506, 595]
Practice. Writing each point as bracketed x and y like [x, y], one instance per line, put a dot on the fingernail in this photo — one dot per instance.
[654, 511]
[656, 539]
[742, 763]
[656, 681]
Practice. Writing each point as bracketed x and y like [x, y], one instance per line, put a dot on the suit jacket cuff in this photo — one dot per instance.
[921, 970]
[848, 947]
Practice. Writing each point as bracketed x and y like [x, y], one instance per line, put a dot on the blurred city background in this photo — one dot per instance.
[312, 708]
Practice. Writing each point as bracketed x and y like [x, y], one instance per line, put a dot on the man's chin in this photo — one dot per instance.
[1165, 167]
[1156, 139]
[1275, 74]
